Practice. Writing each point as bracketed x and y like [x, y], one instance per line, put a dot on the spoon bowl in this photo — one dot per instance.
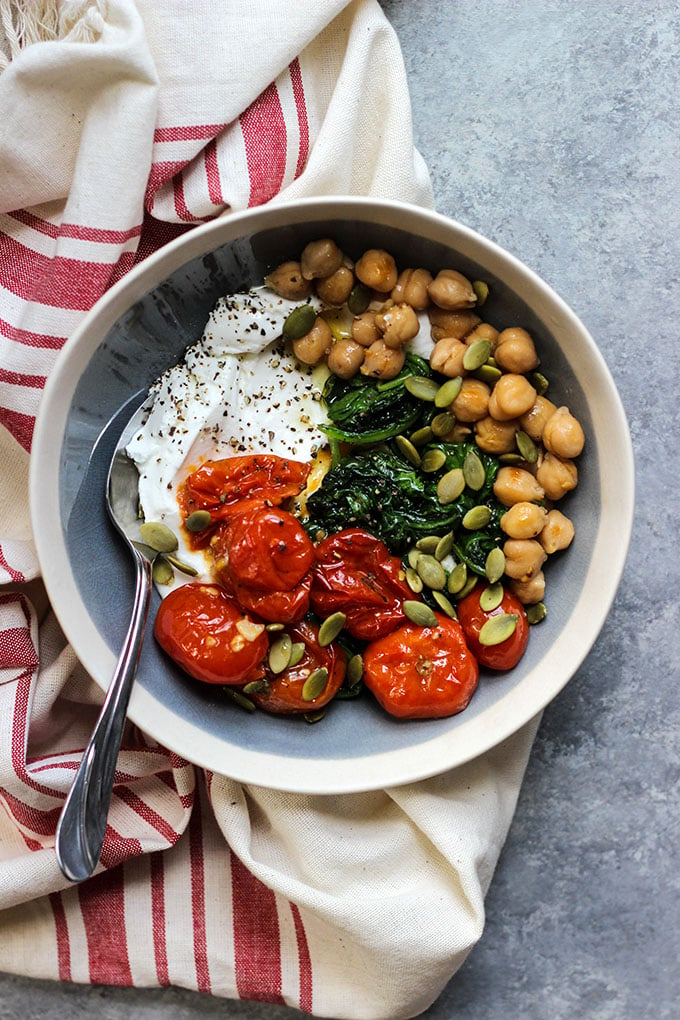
[82, 825]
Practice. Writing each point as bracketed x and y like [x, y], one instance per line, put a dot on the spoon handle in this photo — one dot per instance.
[82, 825]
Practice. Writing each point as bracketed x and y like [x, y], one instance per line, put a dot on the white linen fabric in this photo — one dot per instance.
[123, 125]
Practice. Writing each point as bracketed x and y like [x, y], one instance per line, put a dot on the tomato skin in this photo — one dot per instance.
[237, 484]
[472, 618]
[265, 548]
[275, 606]
[356, 574]
[285, 689]
[196, 625]
[422, 672]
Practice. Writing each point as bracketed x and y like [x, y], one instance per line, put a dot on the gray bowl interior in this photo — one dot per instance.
[153, 335]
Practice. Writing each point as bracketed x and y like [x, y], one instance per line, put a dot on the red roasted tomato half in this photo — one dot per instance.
[356, 574]
[209, 635]
[472, 618]
[422, 672]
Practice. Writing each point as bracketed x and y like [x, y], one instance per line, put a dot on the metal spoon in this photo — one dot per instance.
[82, 825]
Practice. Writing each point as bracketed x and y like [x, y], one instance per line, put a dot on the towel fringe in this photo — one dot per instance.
[24, 22]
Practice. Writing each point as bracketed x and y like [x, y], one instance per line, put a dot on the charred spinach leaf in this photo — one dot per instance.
[363, 411]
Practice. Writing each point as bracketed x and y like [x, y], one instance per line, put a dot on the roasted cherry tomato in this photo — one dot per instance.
[264, 548]
[356, 574]
[275, 606]
[284, 690]
[208, 634]
[472, 618]
[236, 484]
[422, 672]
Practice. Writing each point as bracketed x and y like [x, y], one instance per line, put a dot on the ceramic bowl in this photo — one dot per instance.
[141, 327]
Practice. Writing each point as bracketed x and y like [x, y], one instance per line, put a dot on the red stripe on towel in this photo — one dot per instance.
[61, 936]
[102, 905]
[301, 108]
[304, 961]
[264, 134]
[257, 942]
[158, 922]
[196, 853]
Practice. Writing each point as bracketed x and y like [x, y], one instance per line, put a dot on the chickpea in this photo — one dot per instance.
[524, 520]
[320, 259]
[483, 331]
[516, 485]
[556, 476]
[346, 358]
[533, 421]
[495, 436]
[563, 434]
[411, 288]
[524, 557]
[288, 282]
[515, 351]
[377, 269]
[455, 324]
[311, 348]
[364, 329]
[472, 403]
[397, 324]
[451, 290]
[529, 592]
[557, 533]
[447, 357]
[512, 396]
[335, 289]
[383, 362]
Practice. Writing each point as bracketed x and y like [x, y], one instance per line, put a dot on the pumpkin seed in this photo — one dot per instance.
[198, 520]
[413, 555]
[448, 391]
[536, 613]
[355, 670]
[183, 567]
[432, 460]
[481, 289]
[272, 627]
[473, 471]
[315, 684]
[162, 572]
[312, 717]
[422, 436]
[419, 613]
[431, 572]
[444, 546]
[414, 580]
[257, 687]
[330, 628]
[239, 699]
[450, 486]
[158, 536]
[299, 322]
[539, 383]
[498, 629]
[477, 517]
[442, 424]
[296, 653]
[427, 544]
[467, 587]
[407, 450]
[526, 447]
[280, 653]
[491, 597]
[359, 299]
[422, 387]
[476, 354]
[489, 374]
[495, 565]
[457, 579]
[511, 458]
[444, 604]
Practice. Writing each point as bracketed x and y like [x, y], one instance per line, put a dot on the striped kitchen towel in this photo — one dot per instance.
[124, 124]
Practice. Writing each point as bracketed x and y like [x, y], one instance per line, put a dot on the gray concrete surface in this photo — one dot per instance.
[552, 127]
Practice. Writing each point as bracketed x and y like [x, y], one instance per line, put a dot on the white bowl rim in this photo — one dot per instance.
[306, 775]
